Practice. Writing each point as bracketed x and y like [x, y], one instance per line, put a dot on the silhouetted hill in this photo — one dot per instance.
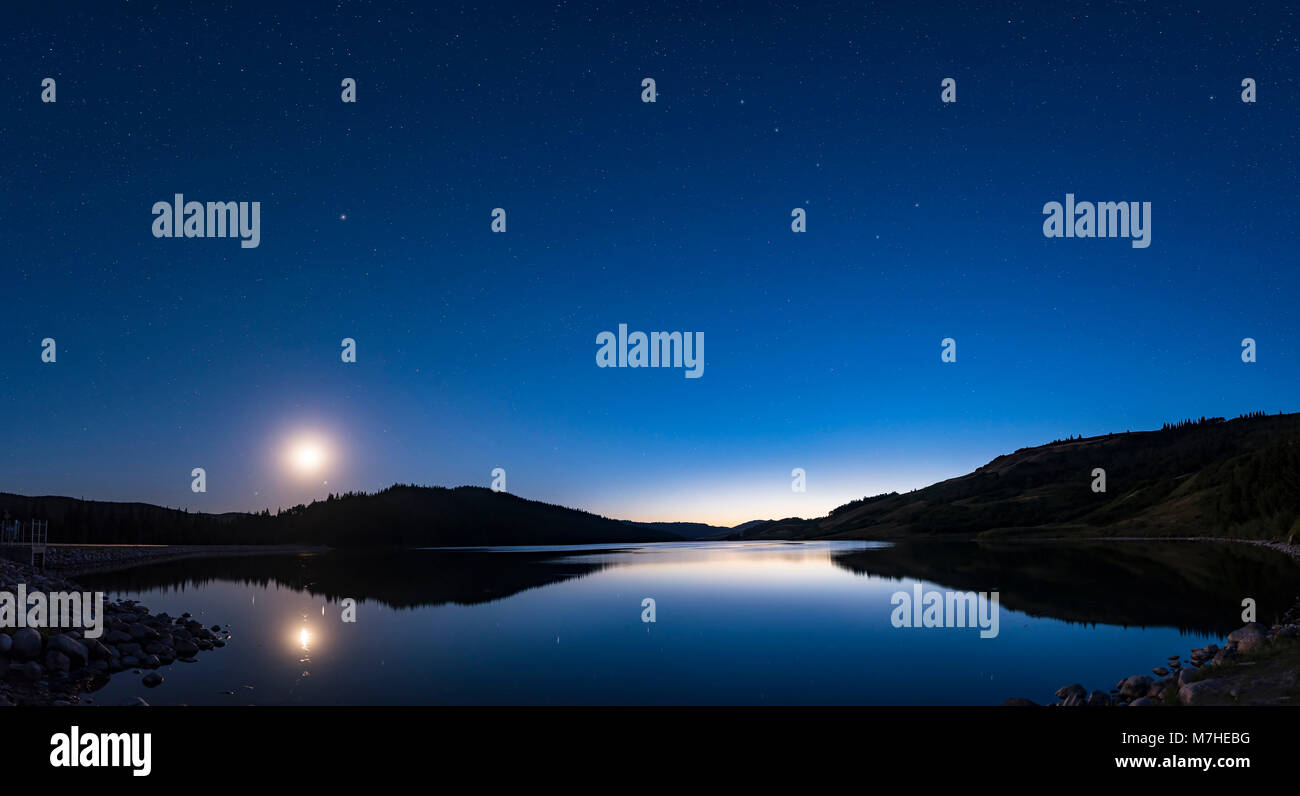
[399, 515]
[1208, 477]
[462, 516]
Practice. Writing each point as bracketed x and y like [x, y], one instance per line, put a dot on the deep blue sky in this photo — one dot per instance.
[478, 350]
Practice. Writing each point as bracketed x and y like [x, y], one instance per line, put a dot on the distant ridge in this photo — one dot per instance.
[1205, 477]
[698, 531]
[401, 515]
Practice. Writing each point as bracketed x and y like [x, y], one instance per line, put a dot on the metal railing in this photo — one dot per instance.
[35, 533]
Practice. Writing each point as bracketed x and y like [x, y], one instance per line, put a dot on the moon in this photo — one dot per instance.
[307, 456]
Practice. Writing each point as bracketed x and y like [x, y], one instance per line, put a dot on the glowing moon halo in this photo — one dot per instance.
[307, 456]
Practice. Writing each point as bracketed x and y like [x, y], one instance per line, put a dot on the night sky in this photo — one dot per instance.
[477, 350]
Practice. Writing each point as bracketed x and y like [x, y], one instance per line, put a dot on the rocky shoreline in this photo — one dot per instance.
[1211, 675]
[63, 667]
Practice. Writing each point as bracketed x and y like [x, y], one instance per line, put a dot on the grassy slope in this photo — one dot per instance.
[1239, 478]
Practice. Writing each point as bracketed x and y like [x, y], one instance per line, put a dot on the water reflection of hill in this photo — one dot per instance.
[1194, 586]
[398, 579]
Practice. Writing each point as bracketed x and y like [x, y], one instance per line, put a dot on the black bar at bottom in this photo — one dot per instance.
[1013, 746]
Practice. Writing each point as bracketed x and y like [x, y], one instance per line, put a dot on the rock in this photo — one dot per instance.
[138, 702]
[185, 649]
[1185, 676]
[1158, 687]
[151, 680]
[1019, 702]
[1248, 638]
[1223, 656]
[1065, 691]
[1142, 702]
[33, 671]
[72, 648]
[1136, 686]
[6, 643]
[97, 651]
[1160, 670]
[26, 643]
[1204, 692]
[117, 637]
[1098, 699]
[142, 633]
[56, 661]
[150, 662]
[1073, 700]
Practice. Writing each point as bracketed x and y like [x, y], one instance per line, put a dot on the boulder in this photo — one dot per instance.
[1136, 686]
[1205, 692]
[56, 661]
[142, 633]
[1250, 637]
[72, 648]
[1158, 687]
[1065, 691]
[117, 637]
[26, 643]
[1223, 656]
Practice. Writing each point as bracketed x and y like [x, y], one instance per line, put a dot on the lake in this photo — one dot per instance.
[770, 623]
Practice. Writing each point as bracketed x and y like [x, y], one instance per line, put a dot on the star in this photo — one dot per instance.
[343, 216]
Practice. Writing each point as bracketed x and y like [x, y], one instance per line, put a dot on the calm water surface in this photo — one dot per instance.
[737, 623]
